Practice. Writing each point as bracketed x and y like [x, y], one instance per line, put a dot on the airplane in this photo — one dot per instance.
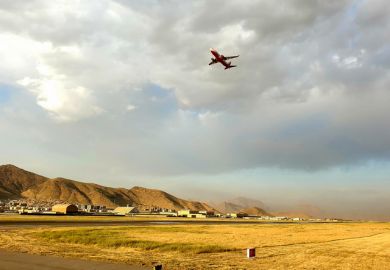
[219, 58]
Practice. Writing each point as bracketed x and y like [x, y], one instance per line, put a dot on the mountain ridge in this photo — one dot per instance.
[241, 204]
[255, 211]
[17, 183]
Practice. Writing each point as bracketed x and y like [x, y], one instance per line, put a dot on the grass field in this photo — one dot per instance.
[57, 219]
[199, 246]
[4, 218]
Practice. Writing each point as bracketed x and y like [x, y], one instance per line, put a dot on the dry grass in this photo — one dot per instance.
[194, 246]
[106, 238]
[4, 219]
[26, 219]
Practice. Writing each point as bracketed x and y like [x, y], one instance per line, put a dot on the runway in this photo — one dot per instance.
[24, 261]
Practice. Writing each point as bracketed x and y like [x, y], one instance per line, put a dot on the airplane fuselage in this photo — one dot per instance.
[220, 58]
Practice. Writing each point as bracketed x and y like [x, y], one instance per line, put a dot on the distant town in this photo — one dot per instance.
[31, 207]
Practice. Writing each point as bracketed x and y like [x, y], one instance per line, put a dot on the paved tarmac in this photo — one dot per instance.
[24, 261]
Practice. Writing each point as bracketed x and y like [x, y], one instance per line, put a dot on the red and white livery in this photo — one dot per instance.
[220, 58]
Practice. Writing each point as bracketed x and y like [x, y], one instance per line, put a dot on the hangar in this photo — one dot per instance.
[65, 209]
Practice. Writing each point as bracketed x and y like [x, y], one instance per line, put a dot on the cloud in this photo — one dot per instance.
[131, 107]
[349, 62]
[64, 100]
[309, 90]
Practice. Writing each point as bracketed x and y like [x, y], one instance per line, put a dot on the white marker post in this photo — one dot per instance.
[250, 253]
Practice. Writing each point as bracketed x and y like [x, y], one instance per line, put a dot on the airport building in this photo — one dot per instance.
[65, 209]
[194, 214]
[127, 210]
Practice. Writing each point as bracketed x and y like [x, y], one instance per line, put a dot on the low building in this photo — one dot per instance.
[198, 216]
[90, 208]
[126, 210]
[186, 213]
[168, 213]
[207, 213]
[193, 214]
[264, 217]
[236, 215]
[65, 209]
[279, 218]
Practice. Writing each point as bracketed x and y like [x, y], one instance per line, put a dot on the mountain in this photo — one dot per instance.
[228, 207]
[13, 181]
[255, 211]
[155, 197]
[65, 190]
[16, 183]
[248, 203]
[239, 204]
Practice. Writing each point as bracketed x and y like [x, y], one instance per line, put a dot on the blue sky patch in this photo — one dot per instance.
[5, 93]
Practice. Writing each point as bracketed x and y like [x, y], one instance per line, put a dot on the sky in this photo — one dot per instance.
[120, 93]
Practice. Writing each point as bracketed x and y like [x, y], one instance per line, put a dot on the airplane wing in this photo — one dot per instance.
[231, 57]
[213, 61]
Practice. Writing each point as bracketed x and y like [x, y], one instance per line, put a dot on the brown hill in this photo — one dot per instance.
[248, 202]
[237, 204]
[17, 183]
[65, 190]
[13, 181]
[228, 207]
[154, 197]
[255, 211]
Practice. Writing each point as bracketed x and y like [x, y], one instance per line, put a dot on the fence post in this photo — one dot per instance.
[250, 252]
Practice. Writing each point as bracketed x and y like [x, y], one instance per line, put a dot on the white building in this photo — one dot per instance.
[125, 210]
